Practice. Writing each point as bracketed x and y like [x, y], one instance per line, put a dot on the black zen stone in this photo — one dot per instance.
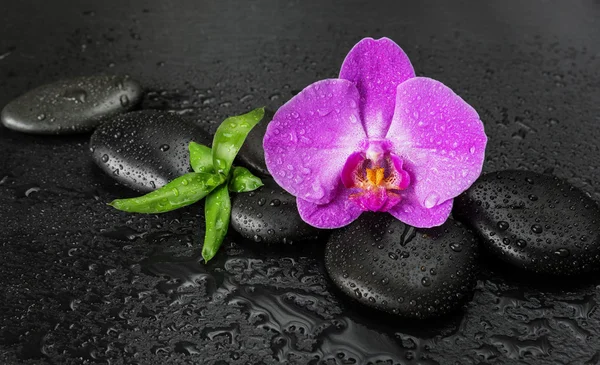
[71, 106]
[411, 272]
[270, 215]
[536, 222]
[144, 150]
[252, 153]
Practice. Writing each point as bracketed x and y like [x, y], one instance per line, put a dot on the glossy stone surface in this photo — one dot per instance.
[393, 267]
[71, 105]
[270, 215]
[144, 150]
[252, 154]
[536, 222]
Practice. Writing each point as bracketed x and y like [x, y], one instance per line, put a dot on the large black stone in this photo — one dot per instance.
[144, 150]
[414, 273]
[536, 222]
[252, 153]
[270, 215]
[72, 105]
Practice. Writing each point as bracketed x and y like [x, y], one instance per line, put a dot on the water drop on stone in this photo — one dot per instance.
[124, 99]
[503, 225]
[456, 246]
[536, 228]
[521, 243]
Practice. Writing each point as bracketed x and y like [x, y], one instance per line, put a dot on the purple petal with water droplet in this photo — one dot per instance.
[310, 138]
[339, 212]
[440, 139]
[377, 67]
[411, 212]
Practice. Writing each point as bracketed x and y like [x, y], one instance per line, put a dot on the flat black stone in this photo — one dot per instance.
[72, 105]
[536, 222]
[390, 266]
[252, 153]
[270, 215]
[144, 150]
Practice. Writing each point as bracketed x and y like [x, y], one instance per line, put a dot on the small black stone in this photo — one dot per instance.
[411, 272]
[252, 154]
[270, 215]
[146, 149]
[71, 106]
[536, 222]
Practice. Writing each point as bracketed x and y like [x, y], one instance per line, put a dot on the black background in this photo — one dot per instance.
[81, 282]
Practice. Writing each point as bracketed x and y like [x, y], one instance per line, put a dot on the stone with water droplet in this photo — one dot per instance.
[275, 222]
[146, 149]
[536, 222]
[252, 154]
[71, 106]
[371, 256]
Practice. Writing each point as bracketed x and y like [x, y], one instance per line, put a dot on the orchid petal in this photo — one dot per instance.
[377, 67]
[411, 212]
[440, 138]
[311, 136]
[339, 212]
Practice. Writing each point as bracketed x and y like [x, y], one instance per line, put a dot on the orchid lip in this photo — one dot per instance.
[376, 178]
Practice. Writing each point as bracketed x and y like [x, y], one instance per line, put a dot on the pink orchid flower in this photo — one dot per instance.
[375, 139]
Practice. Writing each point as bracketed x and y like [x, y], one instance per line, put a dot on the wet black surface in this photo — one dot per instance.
[414, 273]
[73, 105]
[82, 283]
[535, 222]
[145, 149]
[270, 215]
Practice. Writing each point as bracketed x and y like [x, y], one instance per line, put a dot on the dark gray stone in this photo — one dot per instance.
[390, 266]
[270, 215]
[536, 222]
[71, 106]
[146, 149]
[252, 154]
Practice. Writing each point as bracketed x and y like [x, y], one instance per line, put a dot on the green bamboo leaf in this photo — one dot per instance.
[182, 191]
[201, 158]
[230, 136]
[217, 210]
[243, 181]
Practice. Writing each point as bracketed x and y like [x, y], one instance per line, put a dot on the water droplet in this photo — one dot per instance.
[431, 200]
[456, 246]
[77, 95]
[32, 190]
[105, 158]
[41, 116]
[426, 281]
[164, 147]
[562, 252]
[503, 225]
[536, 228]
[124, 99]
